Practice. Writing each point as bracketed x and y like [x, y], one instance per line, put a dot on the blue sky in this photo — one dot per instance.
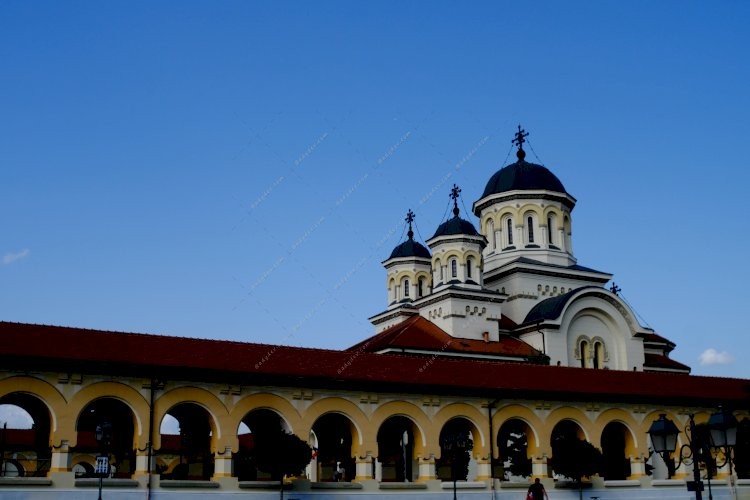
[239, 170]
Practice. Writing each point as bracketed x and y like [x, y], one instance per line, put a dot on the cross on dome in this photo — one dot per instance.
[518, 140]
[410, 219]
[455, 192]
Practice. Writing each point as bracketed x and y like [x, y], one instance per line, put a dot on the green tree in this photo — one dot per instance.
[575, 458]
[280, 454]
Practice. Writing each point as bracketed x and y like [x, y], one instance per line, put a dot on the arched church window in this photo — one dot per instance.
[406, 288]
[420, 287]
[598, 355]
[585, 353]
[510, 232]
[454, 268]
[468, 267]
[530, 227]
[491, 234]
[550, 239]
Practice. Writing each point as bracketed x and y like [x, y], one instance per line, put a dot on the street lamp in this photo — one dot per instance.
[723, 425]
[103, 435]
[456, 445]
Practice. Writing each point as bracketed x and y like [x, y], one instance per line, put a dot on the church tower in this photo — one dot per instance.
[408, 270]
[457, 252]
[525, 214]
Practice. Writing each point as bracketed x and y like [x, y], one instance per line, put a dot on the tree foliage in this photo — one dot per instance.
[514, 452]
[575, 458]
[281, 454]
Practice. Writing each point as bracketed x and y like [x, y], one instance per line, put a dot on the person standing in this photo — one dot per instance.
[537, 491]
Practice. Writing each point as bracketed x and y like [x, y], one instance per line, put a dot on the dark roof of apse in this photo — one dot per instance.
[410, 248]
[53, 348]
[523, 176]
[552, 307]
[456, 225]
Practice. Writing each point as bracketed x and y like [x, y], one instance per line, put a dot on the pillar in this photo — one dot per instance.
[141, 462]
[364, 467]
[60, 457]
[539, 467]
[427, 469]
[637, 467]
[223, 463]
[484, 470]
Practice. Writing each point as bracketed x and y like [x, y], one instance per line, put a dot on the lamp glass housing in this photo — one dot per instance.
[723, 426]
[663, 433]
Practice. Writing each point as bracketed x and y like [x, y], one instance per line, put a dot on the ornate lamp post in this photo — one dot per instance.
[103, 435]
[456, 445]
[723, 426]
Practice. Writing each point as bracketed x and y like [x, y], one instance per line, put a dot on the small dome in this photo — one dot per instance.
[523, 176]
[410, 248]
[455, 225]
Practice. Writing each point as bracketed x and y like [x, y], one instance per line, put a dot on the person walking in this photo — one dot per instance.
[537, 491]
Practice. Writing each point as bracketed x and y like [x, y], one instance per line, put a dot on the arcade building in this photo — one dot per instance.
[494, 339]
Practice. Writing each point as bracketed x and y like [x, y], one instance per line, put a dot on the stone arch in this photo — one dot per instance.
[118, 391]
[618, 415]
[46, 393]
[265, 401]
[363, 441]
[520, 412]
[572, 414]
[216, 410]
[410, 411]
[468, 412]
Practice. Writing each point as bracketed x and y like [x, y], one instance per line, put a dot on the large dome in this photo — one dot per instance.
[410, 248]
[523, 176]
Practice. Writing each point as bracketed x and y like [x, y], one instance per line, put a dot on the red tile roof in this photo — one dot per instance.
[56, 348]
[420, 333]
[661, 361]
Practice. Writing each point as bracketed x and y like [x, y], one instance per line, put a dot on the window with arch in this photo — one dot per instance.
[530, 228]
[585, 351]
[406, 288]
[454, 268]
[491, 234]
[468, 267]
[550, 229]
[598, 353]
[420, 287]
[509, 224]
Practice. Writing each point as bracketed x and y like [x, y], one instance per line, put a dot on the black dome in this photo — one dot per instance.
[523, 175]
[455, 225]
[410, 248]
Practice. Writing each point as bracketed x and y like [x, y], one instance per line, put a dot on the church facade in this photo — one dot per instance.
[494, 341]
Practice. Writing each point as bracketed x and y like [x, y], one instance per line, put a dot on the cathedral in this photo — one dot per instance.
[495, 346]
[513, 290]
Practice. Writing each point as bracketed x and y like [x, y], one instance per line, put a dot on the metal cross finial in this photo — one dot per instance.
[615, 289]
[518, 140]
[455, 192]
[410, 219]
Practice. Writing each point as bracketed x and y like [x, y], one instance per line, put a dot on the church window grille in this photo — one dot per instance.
[530, 224]
[454, 269]
[549, 230]
[406, 288]
[585, 353]
[510, 232]
[598, 354]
